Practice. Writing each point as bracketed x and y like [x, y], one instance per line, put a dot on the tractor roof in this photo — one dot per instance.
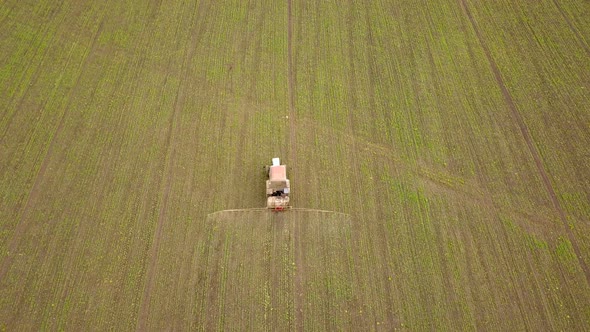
[278, 173]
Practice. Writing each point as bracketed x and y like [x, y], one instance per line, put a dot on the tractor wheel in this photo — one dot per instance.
[267, 171]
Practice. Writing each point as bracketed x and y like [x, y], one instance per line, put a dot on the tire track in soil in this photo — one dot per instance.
[569, 22]
[528, 139]
[383, 248]
[8, 14]
[452, 298]
[298, 288]
[292, 123]
[167, 178]
[433, 181]
[23, 225]
[35, 76]
[244, 108]
[277, 228]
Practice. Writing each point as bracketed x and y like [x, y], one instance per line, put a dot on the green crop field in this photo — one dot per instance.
[438, 152]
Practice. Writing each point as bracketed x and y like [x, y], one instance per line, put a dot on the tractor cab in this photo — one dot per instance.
[278, 187]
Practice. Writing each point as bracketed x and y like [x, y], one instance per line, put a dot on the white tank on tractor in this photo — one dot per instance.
[277, 186]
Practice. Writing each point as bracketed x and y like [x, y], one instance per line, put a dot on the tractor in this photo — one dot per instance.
[277, 186]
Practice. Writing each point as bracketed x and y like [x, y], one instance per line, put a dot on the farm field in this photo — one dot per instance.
[451, 140]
